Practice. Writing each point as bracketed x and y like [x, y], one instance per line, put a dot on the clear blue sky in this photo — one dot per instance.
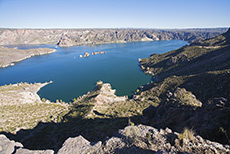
[114, 13]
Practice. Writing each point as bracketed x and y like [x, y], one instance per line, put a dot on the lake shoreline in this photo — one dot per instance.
[118, 67]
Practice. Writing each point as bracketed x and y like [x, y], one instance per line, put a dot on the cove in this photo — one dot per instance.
[73, 76]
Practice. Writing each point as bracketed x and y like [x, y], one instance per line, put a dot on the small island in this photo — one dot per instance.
[86, 54]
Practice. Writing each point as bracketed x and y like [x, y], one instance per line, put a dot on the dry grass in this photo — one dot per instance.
[16, 117]
[21, 107]
[187, 134]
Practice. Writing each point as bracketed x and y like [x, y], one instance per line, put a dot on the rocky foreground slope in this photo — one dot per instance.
[100, 113]
[132, 139]
[71, 37]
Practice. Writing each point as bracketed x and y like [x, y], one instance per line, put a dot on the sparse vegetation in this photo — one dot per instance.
[17, 113]
[15, 117]
[225, 133]
[148, 137]
[132, 133]
[187, 134]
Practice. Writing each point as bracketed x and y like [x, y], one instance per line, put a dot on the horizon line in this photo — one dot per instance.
[111, 28]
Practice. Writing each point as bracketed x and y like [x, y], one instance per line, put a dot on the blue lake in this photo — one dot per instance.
[73, 76]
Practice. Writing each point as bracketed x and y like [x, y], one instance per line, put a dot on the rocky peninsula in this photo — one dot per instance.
[9, 56]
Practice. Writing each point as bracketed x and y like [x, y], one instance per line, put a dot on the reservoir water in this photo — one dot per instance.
[73, 76]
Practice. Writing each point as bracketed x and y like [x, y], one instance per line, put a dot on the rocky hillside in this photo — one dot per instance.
[202, 68]
[132, 139]
[70, 37]
[199, 57]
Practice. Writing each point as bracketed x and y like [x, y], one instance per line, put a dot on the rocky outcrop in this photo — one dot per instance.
[102, 98]
[70, 37]
[107, 94]
[177, 59]
[182, 97]
[7, 146]
[9, 56]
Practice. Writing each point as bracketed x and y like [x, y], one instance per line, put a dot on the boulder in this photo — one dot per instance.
[27, 151]
[9, 146]
[79, 145]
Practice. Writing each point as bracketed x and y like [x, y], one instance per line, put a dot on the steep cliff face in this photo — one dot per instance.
[70, 37]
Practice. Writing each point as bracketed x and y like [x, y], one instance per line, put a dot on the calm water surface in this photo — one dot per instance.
[73, 76]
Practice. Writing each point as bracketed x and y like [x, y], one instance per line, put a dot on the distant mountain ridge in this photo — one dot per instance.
[71, 37]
